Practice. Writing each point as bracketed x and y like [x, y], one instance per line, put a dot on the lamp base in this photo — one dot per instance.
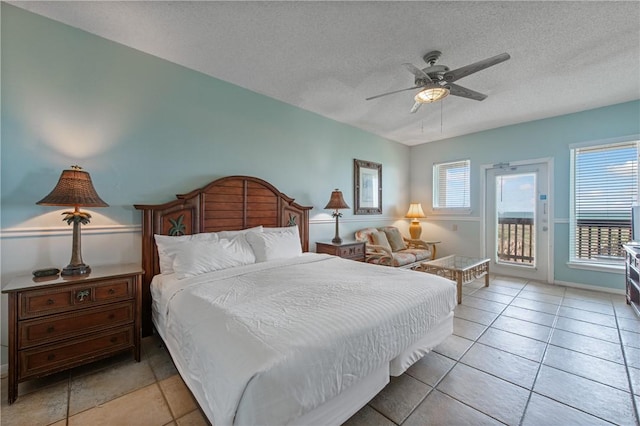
[415, 230]
[337, 240]
[81, 269]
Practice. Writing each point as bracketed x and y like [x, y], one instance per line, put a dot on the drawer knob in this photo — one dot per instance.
[50, 329]
[111, 291]
[51, 357]
[82, 294]
[50, 302]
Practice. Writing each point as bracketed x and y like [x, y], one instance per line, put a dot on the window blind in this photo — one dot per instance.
[451, 185]
[604, 186]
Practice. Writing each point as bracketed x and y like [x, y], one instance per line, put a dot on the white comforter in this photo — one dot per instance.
[271, 341]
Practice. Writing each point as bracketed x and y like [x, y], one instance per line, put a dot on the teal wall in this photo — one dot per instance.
[548, 138]
[146, 128]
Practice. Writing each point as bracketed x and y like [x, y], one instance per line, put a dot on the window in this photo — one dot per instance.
[451, 185]
[604, 185]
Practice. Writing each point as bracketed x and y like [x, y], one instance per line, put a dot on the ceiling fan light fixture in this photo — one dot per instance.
[431, 94]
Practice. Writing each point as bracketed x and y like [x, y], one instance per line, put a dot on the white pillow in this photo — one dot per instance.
[231, 234]
[281, 244]
[199, 257]
[168, 246]
[292, 229]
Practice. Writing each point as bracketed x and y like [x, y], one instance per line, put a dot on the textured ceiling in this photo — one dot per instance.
[327, 57]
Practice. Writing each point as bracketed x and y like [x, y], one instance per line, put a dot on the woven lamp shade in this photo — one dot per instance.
[336, 201]
[74, 188]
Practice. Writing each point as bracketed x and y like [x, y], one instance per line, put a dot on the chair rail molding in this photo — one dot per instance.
[49, 231]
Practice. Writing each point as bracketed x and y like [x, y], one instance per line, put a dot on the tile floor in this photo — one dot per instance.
[522, 353]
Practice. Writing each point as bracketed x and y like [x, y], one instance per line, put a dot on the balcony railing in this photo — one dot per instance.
[516, 240]
[601, 239]
[595, 239]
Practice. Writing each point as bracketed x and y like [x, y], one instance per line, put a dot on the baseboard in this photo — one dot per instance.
[620, 291]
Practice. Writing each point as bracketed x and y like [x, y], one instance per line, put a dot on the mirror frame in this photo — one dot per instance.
[364, 173]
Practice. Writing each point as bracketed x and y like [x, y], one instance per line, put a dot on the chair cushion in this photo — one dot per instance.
[380, 239]
[402, 258]
[395, 238]
[366, 235]
[420, 254]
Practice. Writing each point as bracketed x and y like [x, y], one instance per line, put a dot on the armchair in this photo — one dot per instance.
[386, 246]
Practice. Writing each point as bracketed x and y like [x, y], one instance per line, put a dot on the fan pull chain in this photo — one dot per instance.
[441, 102]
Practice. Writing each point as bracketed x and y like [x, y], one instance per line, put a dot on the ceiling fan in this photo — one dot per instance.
[436, 81]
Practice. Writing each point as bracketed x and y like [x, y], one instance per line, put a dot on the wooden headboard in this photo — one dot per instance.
[229, 203]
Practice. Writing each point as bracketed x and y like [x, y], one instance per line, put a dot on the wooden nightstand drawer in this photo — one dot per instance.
[62, 326]
[35, 303]
[353, 250]
[112, 290]
[45, 301]
[46, 359]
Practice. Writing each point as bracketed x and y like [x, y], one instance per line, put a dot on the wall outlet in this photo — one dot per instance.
[454, 227]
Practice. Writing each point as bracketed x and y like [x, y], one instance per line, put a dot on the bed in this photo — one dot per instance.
[285, 337]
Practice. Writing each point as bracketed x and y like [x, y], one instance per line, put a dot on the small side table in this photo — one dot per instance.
[353, 250]
[460, 269]
[60, 322]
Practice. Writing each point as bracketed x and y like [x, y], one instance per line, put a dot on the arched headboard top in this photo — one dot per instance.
[228, 203]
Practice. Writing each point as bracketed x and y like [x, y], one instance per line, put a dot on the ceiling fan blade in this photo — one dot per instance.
[475, 67]
[456, 90]
[415, 107]
[391, 93]
[417, 72]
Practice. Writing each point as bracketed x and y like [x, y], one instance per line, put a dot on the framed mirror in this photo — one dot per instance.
[367, 182]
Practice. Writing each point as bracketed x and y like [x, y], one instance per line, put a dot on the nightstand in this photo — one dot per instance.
[56, 323]
[353, 250]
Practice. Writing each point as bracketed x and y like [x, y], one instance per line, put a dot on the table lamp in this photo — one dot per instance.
[415, 212]
[336, 202]
[75, 189]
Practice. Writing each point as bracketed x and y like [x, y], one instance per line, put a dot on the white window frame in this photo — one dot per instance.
[437, 172]
[613, 265]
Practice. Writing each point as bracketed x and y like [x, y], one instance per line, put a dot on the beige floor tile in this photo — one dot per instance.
[586, 395]
[194, 418]
[161, 363]
[42, 407]
[102, 364]
[145, 406]
[178, 396]
[439, 409]
[467, 329]
[367, 416]
[545, 411]
[453, 347]
[495, 397]
[400, 397]
[91, 390]
[431, 368]
[509, 367]
[34, 385]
